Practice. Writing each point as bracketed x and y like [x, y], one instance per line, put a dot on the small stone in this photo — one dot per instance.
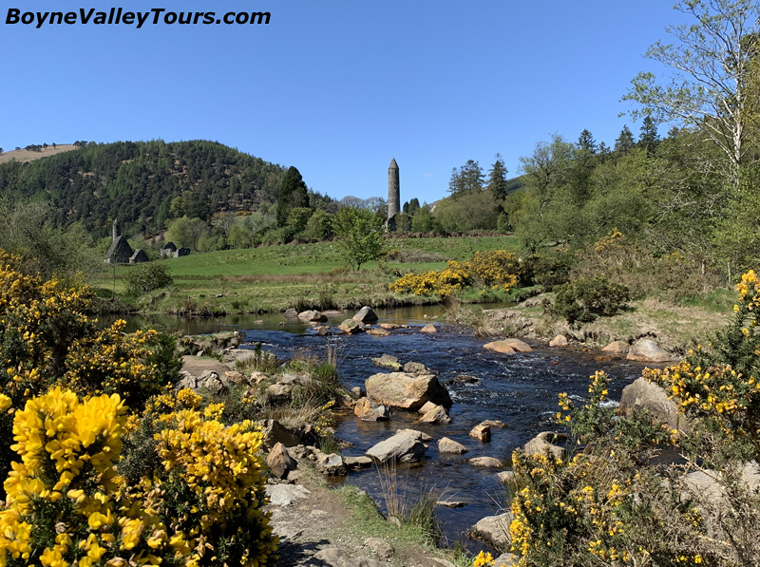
[616, 347]
[388, 361]
[507, 477]
[559, 341]
[379, 332]
[429, 328]
[451, 503]
[494, 424]
[389, 326]
[466, 379]
[357, 463]
[417, 368]
[382, 548]
[280, 462]
[486, 462]
[481, 433]
[284, 494]
[357, 392]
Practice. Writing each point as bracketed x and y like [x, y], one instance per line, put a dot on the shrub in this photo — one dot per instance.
[721, 383]
[200, 505]
[497, 269]
[584, 300]
[148, 277]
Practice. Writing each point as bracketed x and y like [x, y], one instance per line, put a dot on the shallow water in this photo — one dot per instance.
[520, 390]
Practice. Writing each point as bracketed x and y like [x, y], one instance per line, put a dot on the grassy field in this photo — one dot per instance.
[314, 275]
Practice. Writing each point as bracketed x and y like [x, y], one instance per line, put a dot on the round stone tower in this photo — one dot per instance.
[394, 190]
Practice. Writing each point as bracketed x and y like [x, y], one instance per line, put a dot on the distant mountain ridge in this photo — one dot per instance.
[142, 183]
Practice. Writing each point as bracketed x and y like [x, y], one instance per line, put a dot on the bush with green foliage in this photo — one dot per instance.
[583, 300]
[148, 277]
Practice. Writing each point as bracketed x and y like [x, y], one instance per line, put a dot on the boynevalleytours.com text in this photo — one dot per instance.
[120, 16]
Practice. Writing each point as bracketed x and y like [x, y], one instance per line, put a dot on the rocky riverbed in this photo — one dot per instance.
[478, 401]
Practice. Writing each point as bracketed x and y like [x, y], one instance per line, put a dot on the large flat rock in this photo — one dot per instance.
[406, 391]
[406, 446]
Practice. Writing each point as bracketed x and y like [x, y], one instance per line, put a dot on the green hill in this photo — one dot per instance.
[142, 183]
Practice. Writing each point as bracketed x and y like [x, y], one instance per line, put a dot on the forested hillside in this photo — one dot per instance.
[144, 184]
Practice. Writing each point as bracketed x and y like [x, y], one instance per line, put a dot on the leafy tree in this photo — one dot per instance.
[148, 277]
[423, 220]
[497, 180]
[466, 212]
[360, 233]
[624, 142]
[403, 222]
[319, 226]
[466, 179]
[292, 193]
[709, 67]
[185, 232]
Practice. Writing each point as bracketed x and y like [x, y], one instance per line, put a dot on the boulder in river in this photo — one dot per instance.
[436, 414]
[481, 433]
[544, 443]
[406, 391]
[617, 347]
[406, 446]
[494, 530]
[446, 445]
[508, 346]
[429, 328]
[365, 315]
[351, 327]
[642, 394]
[646, 350]
[368, 411]
[312, 316]
[499, 346]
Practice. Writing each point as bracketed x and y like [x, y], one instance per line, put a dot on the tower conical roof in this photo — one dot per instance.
[393, 164]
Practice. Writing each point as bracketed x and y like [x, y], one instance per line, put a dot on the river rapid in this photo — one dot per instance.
[520, 390]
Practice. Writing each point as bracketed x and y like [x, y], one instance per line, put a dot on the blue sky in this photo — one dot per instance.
[336, 88]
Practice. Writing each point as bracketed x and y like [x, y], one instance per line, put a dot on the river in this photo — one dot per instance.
[520, 390]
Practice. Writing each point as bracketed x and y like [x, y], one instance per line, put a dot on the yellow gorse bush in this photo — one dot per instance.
[497, 269]
[66, 504]
[721, 382]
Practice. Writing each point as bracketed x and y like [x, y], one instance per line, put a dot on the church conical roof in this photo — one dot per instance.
[393, 164]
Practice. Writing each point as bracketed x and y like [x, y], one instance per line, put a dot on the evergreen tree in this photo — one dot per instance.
[414, 206]
[624, 142]
[292, 193]
[649, 137]
[466, 179]
[586, 142]
[497, 180]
